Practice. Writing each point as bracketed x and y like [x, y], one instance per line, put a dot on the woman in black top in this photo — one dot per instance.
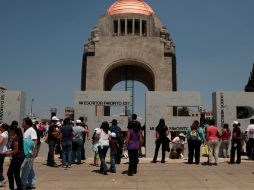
[161, 138]
[17, 154]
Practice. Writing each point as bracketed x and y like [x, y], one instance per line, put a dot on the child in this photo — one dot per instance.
[95, 148]
[114, 145]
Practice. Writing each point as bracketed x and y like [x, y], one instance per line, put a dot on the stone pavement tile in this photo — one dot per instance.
[153, 185]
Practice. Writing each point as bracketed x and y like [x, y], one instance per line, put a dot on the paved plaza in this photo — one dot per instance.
[174, 174]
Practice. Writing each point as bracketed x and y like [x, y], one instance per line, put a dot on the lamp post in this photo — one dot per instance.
[32, 107]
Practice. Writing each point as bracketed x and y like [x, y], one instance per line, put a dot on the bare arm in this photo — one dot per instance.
[1, 139]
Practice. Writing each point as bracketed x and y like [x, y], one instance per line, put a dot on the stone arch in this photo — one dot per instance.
[116, 72]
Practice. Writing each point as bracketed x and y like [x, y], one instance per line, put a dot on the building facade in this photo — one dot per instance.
[129, 43]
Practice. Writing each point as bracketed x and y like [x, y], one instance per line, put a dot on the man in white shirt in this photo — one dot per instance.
[250, 143]
[30, 137]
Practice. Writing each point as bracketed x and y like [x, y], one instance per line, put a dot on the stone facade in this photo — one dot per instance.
[136, 41]
[12, 106]
[225, 107]
[159, 104]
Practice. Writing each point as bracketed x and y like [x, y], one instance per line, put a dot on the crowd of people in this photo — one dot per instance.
[22, 148]
[68, 138]
[211, 138]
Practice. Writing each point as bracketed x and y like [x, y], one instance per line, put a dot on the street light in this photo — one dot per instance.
[32, 107]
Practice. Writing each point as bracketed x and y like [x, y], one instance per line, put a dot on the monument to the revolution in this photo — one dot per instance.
[129, 43]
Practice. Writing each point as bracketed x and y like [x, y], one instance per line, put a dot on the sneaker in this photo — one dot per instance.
[69, 166]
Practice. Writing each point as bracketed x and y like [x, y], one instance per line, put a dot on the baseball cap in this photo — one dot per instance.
[54, 118]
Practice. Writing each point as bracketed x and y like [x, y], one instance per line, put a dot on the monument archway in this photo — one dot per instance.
[129, 70]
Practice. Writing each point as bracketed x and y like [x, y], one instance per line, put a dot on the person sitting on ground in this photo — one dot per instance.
[177, 147]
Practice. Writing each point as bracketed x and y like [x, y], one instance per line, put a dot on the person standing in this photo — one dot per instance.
[133, 143]
[225, 137]
[4, 136]
[114, 145]
[103, 134]
[250, 143]
[161, 139]
[28, 178]
[236, 143]
[212, 137]
[17, 153]
[195, 137]
[66, 135]
[77, 142]
[85, 136]
[95, 142]
[53, 135]
[114, 128]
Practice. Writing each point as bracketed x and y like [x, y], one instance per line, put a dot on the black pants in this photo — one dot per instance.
[133, 161]
[194, 150]
[158, 143]
[235, 146]
[1, 166]
[14, 172]
[250, 148]
[51, 160]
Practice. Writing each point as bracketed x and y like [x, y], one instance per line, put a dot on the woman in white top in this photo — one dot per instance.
[103, 134]
[3, 148]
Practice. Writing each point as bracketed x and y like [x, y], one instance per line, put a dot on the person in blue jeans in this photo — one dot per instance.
[103, 135]
[66, 135]
[77, 142]
[28, 178]
[114, 145]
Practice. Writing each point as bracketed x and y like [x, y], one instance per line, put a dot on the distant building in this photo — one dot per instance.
[250, 85]
[12, 105]
[69, 112]
[53, 112]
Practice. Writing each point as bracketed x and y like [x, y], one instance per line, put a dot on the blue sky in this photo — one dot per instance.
[41, 46]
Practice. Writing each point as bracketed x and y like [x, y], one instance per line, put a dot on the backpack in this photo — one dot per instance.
[194, 134]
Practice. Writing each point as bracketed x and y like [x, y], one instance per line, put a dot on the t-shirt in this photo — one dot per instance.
[237, 132]
[162, 130]
[212, 133]
[30, 133]
[250, 130]
[177, 142]
[78, 132]
[20, 152]
[67, 132]
[104, 138]
[3, 146]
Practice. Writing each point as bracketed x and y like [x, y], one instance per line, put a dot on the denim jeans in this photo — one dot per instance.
[67, 152]
[158, 143]
[102, 154]
[113, 162]
[28, 175]
[225, 147]
[76, 150]
[52, 144]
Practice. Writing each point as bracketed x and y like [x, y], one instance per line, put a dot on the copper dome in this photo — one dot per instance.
[130, 6]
